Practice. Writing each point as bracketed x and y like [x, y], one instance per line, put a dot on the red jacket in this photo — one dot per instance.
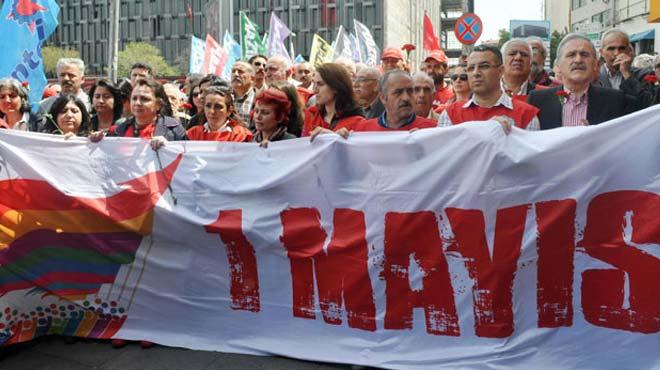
[314, 119]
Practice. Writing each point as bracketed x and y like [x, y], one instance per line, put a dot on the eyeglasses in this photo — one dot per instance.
[482, 67]
[195, 94]
[462, 77]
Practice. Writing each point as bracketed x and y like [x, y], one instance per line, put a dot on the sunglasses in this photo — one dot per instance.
[462, 77]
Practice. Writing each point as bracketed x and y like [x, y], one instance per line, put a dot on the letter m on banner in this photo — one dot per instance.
[341, 269]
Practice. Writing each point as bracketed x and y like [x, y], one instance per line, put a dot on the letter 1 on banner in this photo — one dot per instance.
[611, 219]
[341, 271]
[417, 234]
[492, 290]
[555, 246]
[321, 51]
[241, 258]
[215, 57]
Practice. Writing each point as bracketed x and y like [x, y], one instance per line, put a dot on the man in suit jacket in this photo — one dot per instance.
[583, 104]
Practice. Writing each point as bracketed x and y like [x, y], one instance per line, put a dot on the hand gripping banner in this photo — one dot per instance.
[439, 249]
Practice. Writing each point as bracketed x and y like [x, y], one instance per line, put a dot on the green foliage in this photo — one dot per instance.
[504, 37]
[142, 52]
[554, 43]
[51, 54]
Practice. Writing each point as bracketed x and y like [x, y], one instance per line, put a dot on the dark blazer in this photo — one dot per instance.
[375, 110]
[603, 105]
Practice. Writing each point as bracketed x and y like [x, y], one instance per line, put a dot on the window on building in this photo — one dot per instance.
[328, 13]
[575, 4]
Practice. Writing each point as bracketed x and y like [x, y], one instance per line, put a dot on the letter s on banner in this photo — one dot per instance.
[608, 217]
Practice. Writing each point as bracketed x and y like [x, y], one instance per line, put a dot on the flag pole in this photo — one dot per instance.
[113, 40]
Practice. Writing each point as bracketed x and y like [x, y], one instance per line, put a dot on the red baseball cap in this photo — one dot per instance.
[437, 55]
[392, 53]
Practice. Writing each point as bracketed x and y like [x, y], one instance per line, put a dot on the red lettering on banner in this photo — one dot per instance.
[417, 234]
[556, 248]
[492, 290]
[242, 260]
[342, 271]
[603, 289]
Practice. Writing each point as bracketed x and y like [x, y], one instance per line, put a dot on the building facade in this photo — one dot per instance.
[597, 16]
[167, 24]
[393, 23]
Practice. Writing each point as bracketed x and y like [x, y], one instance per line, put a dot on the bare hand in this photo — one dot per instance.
[506, 123]
[69, 135]
[264, 143]
[319, 131]
[623, 62]
[343, 132]
[96, 136]
[157, 142]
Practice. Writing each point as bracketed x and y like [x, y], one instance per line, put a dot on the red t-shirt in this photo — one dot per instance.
[313, 119]
[522, 113]
[237, 134]
[373, 125]
[443, 95]
[145, 133]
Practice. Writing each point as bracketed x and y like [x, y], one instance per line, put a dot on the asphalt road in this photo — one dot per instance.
[51, 353]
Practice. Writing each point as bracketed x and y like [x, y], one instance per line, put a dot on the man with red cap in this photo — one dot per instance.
[392, 58]
[435, 65]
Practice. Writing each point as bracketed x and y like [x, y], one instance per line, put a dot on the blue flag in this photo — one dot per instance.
[24, 26]
[197, 52]
[233, 50]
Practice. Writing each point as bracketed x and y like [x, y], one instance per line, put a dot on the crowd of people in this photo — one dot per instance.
[269, 99]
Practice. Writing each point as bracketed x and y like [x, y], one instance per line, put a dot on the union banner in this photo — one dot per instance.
[443, 248]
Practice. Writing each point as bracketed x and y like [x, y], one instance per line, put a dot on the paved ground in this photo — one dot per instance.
[52, 354]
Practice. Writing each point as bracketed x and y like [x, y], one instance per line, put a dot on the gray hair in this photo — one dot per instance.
[574, 36]
[643, 61]
[389, 74]
[249, 66]
[71, 62]
[280, 60]
[15, 86]
[656, 60]
[425, 78]
[531, 39]
[515, 41]
[614, 32]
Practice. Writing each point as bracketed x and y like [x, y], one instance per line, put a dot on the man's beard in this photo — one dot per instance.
[438, 79]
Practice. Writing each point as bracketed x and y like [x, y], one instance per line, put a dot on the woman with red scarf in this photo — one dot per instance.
[222, 123]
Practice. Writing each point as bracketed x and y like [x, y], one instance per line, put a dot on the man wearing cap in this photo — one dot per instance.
[484, 70]
[435, 65]
[391, 59]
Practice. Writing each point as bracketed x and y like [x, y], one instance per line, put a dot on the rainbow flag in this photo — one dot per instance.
[59, 245]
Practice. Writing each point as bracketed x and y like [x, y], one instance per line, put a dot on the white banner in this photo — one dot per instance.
[448, 248]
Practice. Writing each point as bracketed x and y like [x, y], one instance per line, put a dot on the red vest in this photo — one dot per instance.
[372, 125]
[522, 113]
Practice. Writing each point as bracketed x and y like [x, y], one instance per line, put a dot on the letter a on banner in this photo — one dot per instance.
[214, 58]
[321, 51]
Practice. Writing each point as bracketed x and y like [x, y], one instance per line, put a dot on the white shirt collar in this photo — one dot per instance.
[504, 100]
[22, 123]
[523, 87]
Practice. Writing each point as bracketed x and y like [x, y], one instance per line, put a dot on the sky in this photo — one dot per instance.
[496, 14]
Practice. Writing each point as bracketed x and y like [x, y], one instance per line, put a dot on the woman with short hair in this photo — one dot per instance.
[15, 106]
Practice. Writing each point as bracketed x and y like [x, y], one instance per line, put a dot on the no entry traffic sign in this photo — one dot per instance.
[468, 28]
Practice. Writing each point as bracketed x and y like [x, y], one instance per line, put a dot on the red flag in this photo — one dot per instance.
[431, 41]
[189, 12]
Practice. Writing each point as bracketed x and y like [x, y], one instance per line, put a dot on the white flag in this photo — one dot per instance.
[370, 54]
[278, 32]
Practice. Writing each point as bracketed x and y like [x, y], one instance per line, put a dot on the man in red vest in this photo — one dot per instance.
[485, 69]
[396, 94]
